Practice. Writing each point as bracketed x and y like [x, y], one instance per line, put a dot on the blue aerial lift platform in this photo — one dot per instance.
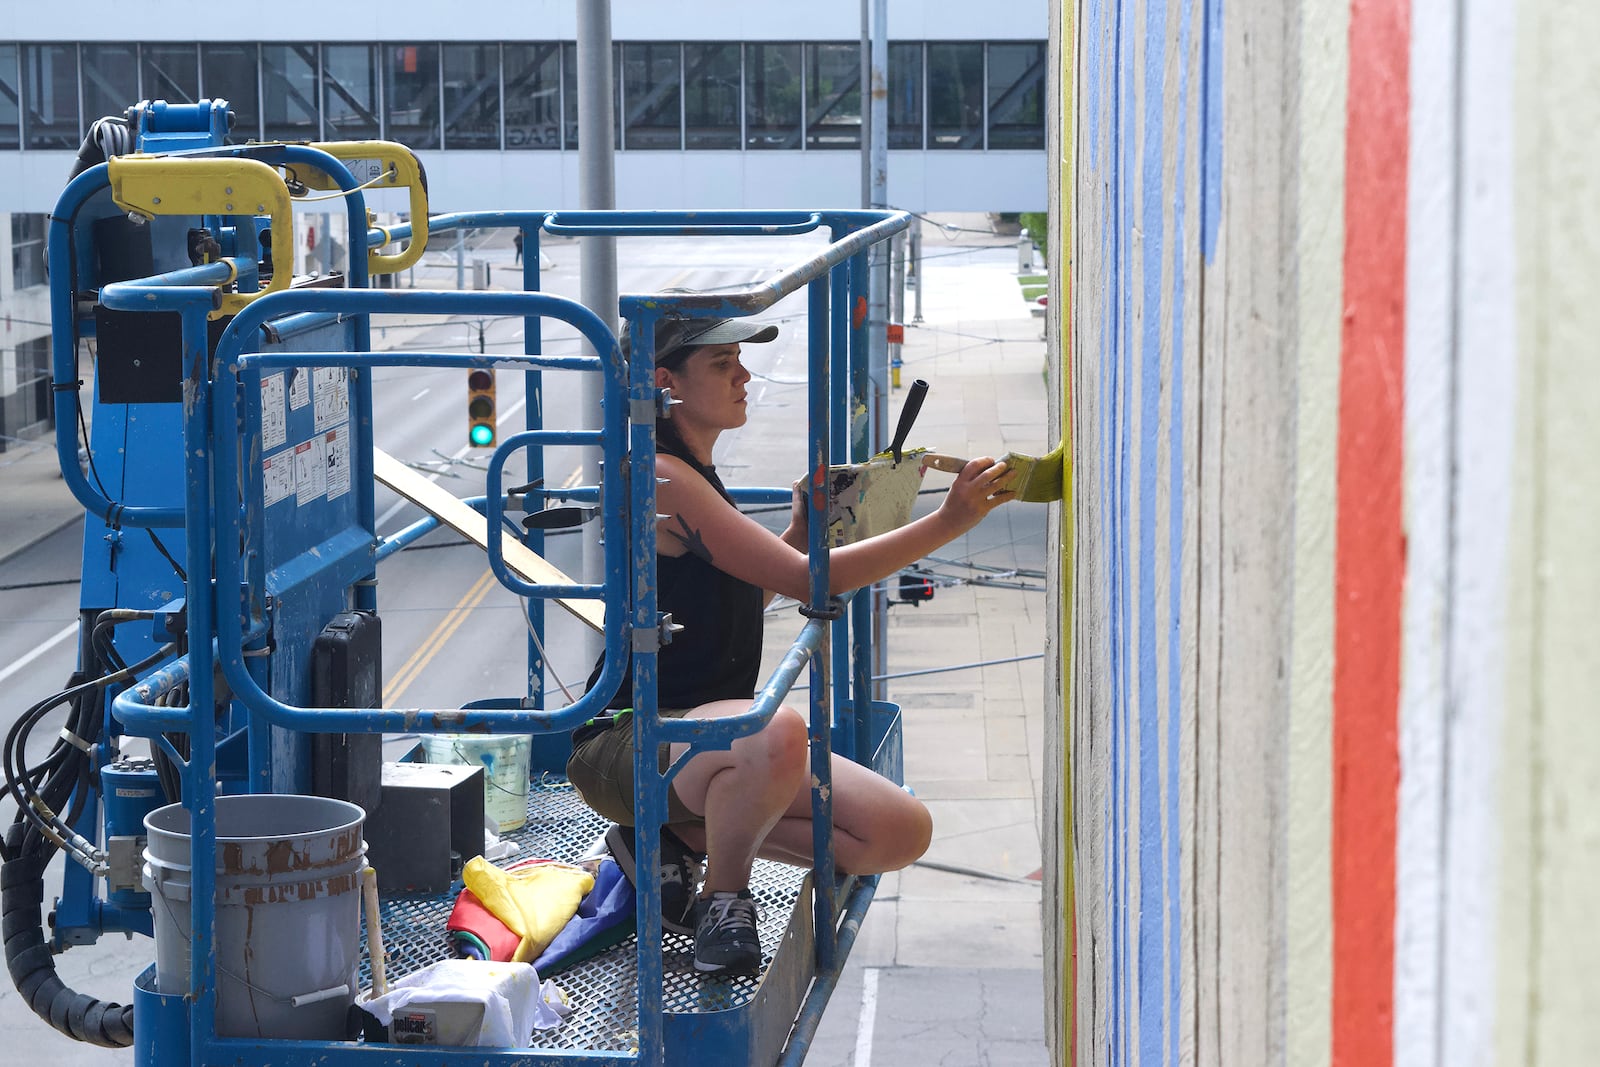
[224, 387]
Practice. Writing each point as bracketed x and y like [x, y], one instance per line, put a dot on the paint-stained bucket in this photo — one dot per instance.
[504, 758]
[288, 906]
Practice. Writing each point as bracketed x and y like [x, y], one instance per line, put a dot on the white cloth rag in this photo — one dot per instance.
[514, 1002]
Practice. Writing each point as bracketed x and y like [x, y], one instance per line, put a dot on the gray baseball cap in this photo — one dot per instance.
[676, 338]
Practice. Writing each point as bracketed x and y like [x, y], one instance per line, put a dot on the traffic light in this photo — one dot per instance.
[480, 408]
[914, 588]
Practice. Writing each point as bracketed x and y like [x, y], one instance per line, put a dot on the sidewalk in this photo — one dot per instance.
[37, 501]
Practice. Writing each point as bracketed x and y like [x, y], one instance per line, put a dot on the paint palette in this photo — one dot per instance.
[867, 499]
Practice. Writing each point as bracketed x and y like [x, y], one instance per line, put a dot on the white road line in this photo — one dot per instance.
[869, 1015]
[38, 651]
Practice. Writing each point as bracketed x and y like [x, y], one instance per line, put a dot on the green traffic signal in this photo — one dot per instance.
[480, 409]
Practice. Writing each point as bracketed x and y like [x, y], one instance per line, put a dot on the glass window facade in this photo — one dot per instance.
[652, 95]
[533, 95]
[1016, 95]
[711, 76]
[471, 95]
[833, 96]
[10, 97]
[29, 407]
[110, 79]
[27, 250]
[955, 95]
[349, 92]
[50, 96]
[169, 72]
[772, 96]
[523, 95]
[289, 109]
[905, 95]
[569, 94]
[412, 84]
[231, 72]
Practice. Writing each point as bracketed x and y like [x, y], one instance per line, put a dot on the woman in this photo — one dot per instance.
[717, 568]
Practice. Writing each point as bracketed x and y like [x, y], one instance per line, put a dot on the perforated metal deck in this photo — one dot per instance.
[603, 990]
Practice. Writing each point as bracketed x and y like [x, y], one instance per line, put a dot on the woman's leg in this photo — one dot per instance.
[756, 799]
[742, 792]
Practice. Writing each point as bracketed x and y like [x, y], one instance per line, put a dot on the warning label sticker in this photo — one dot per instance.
[330, 398]
[274, 417]
[299, 388]
[277, 477]
[337, 441]
[310, 470]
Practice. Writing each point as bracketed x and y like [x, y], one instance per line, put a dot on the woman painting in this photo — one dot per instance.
[717, 569]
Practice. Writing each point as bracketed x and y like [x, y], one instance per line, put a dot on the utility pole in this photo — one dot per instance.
[875, 189]
[598, 273]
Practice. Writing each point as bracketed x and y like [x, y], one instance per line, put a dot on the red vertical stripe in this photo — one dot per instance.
[1370, 567]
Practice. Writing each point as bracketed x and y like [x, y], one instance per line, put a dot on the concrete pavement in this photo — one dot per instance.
[948, 967]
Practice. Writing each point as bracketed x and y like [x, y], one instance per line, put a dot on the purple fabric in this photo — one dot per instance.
[607, 905]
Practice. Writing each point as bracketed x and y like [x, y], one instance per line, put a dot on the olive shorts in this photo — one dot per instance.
[601, 770]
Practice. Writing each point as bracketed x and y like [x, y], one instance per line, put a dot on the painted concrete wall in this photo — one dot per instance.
[1329, 727]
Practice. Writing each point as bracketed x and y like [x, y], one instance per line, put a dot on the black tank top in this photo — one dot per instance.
[717, 654]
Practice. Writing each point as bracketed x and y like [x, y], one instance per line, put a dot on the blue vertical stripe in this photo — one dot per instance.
[1126, 164]
[1175, 557]
[1152, 222]
[1211, 132]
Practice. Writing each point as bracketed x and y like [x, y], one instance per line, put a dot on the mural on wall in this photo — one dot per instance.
[1327, 744]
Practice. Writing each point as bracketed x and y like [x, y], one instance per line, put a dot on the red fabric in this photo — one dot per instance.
[470, 916]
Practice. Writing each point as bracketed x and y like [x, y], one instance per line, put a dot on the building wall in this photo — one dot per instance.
[1327, 743]
[489, 20]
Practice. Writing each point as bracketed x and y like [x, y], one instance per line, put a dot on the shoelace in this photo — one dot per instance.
[725, 916]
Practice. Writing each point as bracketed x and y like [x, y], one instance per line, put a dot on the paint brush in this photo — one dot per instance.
[1039, 479]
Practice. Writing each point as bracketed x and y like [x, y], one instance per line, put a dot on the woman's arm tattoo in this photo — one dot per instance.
[690, 539]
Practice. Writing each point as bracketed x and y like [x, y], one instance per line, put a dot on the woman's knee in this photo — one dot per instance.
[906, 835]
[894, 835]
[784, 742]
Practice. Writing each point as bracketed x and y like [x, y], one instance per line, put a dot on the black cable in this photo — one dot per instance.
[64, 777]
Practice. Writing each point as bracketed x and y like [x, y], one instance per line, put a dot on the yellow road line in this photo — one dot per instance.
[408, 672]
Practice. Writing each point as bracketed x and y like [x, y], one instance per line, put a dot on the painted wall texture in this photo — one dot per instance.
[1328, 339]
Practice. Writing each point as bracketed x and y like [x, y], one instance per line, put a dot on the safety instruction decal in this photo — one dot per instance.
[277, 477]
[299, 388]
[274, 417]
[338, 463]
[310, 470]
[330, 398]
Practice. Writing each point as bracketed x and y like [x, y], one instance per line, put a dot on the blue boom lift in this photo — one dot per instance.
[210, 575]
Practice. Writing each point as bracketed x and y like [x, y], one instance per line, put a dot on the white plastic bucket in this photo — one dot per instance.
[288, 900]
[504, 758]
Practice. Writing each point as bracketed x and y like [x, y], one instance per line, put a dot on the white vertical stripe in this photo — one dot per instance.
[1319, 257]
[869, 1018]
[1486, 390]
[1430, 325]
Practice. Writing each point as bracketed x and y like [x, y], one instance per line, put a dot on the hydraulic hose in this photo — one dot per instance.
[64, 778]
[33, 968]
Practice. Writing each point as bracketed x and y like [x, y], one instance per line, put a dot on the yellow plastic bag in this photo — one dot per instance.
[535, 901]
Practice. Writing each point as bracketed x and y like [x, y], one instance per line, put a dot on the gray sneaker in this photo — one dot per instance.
[726, 935]
[680, 871]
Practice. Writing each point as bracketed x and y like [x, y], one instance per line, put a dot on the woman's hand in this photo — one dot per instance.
[799, 517]
[982, 486]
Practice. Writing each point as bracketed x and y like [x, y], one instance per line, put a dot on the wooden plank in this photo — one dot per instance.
[460, 517]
